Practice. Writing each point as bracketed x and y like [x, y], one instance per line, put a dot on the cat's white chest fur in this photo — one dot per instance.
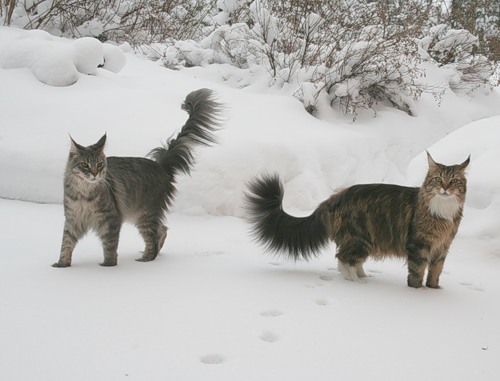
[444, 206]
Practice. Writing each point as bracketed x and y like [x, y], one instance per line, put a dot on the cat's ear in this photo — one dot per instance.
[430, 160]
[75, 147]
[464, 164]
[99, 146]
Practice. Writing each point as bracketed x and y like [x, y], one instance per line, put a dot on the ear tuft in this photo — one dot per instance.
[99, 146]
[75, 147]
[430, 160]
[464, 164]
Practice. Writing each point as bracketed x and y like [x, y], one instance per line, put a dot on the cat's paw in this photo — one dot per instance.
[434, 286]
[60, 265]
[414, 281]
[145, 259]
[107, 264]
[415, 285]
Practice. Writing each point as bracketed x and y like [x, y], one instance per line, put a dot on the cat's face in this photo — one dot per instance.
[445, 187]
[445, 181]
[88, 163]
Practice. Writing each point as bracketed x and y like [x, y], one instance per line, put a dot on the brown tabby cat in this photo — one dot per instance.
[377, 220]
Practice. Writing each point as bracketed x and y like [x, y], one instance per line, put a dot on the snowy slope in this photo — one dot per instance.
[213, 306]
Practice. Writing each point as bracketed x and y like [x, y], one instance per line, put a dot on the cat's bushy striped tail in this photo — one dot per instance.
[297, 237]
[176, 156]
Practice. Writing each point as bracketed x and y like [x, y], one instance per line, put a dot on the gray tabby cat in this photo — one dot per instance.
[101, 193]
[378, 220]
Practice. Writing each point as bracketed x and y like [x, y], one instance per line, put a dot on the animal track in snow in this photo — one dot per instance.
[213, 359]
[209, 253]
[314, 285]
[326, 277]
[271, 313]
[322, 302]
[269, 336]
[277, 264]
[471, 286]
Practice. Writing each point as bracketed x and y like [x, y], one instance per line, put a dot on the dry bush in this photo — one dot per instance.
[134, 21]
[479, 17]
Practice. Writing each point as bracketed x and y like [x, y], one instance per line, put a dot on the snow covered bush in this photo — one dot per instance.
[232, 44]
[356, 53]
[56, 61]
[134, 21]
[231, 12]
[353, 53]
[482, 19]
[457, 50]
[374, 70]
[177, 54]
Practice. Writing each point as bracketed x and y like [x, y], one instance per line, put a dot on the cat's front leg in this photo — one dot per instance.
[110, 236]
[435, 268]
[69, 241]
[110, 239]
[417, 262]
[416, 270]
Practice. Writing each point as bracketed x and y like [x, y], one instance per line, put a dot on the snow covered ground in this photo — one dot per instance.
[213, 306]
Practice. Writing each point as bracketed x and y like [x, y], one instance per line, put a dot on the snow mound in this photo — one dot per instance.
[51, 62]
[56, 61]
[89, 55]
[114, 58]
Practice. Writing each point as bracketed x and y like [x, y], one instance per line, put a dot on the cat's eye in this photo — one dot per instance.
[438, 180]
[84, 165]
[100, 165]
[454, 181]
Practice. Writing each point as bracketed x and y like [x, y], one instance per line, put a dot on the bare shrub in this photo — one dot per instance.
[134, 21]
[458, 50]
[479, 17]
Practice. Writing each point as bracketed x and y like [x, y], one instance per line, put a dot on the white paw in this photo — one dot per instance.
[348, 272]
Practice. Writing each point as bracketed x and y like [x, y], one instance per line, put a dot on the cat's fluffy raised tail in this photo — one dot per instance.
[176, 156]
[297, 237]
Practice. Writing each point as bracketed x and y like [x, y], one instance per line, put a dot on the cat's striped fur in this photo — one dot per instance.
[101, 193]
[378, 220]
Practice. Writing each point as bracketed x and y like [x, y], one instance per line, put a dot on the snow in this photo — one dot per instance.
[89, 55]
[114, 58]
[55, 61]
[213, 306]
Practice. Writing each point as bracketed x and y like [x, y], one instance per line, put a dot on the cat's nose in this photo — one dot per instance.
[444, 190]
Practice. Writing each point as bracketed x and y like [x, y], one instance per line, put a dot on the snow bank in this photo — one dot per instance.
[55, 61]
